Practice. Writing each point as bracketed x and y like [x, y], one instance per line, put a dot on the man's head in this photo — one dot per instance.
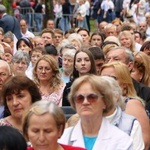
[23, 25]
[102, 26]
[98, 57]
[142, 26]
[5, 72]
[110, 30]
[58, 36]
[120, 54]
[48, 36]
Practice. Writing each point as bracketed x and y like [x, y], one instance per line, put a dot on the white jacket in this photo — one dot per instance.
[109, 137]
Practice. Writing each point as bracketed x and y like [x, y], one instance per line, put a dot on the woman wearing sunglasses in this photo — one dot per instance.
[91, 97]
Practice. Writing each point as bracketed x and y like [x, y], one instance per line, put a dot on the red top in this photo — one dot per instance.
[66, 147]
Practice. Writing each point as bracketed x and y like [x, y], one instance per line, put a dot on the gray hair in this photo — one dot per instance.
[21, 55]
[70, 52]
[110, 25]
[40, 108]
[2, 9]
[129, 54]
[10, 35]
[116, 89]
[68, 46]
[7, 66]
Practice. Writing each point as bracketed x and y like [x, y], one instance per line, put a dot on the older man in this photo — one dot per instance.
[125, 56]
[5, 73]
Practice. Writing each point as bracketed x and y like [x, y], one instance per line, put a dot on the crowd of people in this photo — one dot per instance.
[103, 75]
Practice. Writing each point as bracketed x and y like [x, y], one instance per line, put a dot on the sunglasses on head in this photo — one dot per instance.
[91, 98]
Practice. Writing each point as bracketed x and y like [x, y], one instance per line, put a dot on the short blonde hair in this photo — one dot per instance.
[99, 85]
[40, 108]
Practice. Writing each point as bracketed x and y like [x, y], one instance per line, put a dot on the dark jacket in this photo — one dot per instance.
[10, 23]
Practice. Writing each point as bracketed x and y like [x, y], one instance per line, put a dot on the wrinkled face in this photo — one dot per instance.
[82, 63]
[96, 40]
[35, 56]
[67, 64]
[84, 36]
[88, 102]
[142, 27]
[43, 136]
[44, 71]
[22, 46]
[47, 38]
[125, 41]
[20, 67]
[7, 57]
[18, 102]
[110, 32]
[4, 75]
[116, 55]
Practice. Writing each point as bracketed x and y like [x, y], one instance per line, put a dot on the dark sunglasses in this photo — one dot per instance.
[91, 98]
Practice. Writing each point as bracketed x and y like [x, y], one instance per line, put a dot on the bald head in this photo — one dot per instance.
[5, 72]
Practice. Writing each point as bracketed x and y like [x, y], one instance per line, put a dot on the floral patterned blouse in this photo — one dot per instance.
[56, 96]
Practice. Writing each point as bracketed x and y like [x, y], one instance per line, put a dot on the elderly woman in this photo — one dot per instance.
[18, 93]
[44, 136]
[134, 104]
[67, 64]
[120, 119]
[20, 63]
[47, 77]
[91, 97]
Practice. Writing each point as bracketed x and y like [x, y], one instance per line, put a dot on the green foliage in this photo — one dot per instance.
[7, 4]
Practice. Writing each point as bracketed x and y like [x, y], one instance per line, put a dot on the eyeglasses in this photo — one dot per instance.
[91, 98]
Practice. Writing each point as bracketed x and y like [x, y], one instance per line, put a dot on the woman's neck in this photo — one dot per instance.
[15, 122]
[91, 126]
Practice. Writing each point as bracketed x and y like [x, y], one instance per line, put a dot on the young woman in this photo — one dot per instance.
[83, 64]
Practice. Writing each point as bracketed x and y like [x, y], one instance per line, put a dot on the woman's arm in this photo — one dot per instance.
[135, 108]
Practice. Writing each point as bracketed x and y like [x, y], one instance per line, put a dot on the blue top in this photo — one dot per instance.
[89, 142]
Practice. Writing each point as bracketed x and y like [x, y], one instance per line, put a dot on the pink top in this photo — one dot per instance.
[56, 96]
